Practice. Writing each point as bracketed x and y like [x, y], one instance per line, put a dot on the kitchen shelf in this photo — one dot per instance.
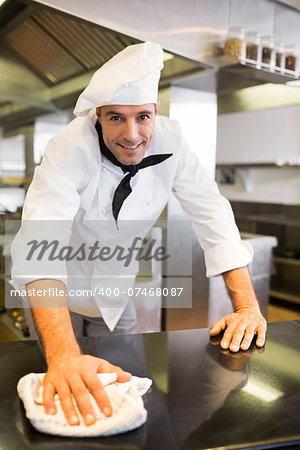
[263, 75]
[287, 261]
[292, 297]
[230, 75]
[233, 75]
[276, 219]
[252, 165]
[285, 282]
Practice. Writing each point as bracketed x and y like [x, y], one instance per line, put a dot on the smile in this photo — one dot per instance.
[134, 147]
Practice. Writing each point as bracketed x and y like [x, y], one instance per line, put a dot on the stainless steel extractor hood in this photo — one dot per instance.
[48, 57]
[292, 3]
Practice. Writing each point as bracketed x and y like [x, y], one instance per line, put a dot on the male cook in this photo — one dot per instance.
[119, 161]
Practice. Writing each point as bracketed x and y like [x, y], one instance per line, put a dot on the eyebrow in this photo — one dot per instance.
[117, 113]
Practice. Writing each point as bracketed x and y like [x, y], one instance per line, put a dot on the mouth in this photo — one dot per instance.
[131, 148]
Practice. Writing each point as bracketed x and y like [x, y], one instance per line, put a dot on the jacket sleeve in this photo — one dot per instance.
[51, 204]
[211, 215]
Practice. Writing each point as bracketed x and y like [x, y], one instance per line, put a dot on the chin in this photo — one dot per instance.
[131, 161]
[128, 160]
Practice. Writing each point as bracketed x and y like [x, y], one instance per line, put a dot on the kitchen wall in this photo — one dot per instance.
[264, 136]
[263, 149]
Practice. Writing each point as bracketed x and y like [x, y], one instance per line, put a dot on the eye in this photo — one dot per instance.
[144, 117]
[115, 118]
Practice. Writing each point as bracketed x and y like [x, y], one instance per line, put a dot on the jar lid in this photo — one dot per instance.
[268, 38]
[291, 47]
[236, 31]
[237, 28]
[253, 34]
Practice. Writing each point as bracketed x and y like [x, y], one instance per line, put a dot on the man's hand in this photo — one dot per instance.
[240, 328]
[69, 372]
[247, 320]
[77, 375]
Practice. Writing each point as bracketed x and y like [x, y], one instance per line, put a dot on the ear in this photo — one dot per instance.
[157, 107]
[98, 113]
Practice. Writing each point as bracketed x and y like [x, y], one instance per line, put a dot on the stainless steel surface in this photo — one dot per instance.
[47, 58]
[283, 221]
[61, 47]
[193, 31]
[58, 47]
[201, 397]
[292, 3]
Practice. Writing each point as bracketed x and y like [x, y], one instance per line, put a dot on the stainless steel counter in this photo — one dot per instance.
[201, 398]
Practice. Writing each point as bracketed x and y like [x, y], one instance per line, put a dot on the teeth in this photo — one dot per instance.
[130, 148]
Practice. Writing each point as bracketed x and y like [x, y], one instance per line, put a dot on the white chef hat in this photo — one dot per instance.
[129, 78]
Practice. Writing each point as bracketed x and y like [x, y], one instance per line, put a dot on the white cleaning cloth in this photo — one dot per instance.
[126, 400]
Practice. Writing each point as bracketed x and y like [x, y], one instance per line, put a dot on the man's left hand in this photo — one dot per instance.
[240, 328]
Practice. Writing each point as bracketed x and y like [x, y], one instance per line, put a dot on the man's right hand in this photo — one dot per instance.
[69, 372]
[77, 375]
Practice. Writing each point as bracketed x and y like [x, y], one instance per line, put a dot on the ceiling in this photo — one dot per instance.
[47, 58]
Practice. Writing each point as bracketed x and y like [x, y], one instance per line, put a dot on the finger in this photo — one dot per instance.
[261, 335]
[97, 390]
[48, 398]
[237, 337]
[81, 395]
[248, 337]
[227, 337]
[122, 376]
[67, 405]
[105, 367]
[217, 327]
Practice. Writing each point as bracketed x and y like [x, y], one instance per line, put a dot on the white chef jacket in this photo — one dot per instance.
[75, 182]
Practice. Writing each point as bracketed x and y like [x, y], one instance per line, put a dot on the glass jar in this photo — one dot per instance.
[234, 44]
[291, 59]
[252, 44]
[267, 52]
[279, 56]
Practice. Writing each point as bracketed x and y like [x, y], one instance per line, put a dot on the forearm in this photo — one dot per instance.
[69, 371]
[53, 324]
[240, 289]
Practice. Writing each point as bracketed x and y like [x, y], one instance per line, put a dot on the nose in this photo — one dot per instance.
[130, 131]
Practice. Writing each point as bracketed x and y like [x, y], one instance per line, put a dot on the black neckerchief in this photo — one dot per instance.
[124, 188]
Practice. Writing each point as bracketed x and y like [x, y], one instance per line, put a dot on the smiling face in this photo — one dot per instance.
[128, 130]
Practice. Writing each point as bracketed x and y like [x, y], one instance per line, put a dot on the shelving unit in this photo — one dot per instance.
[283, 295]
[252, 165]
[287, 261]
[285, 282]
[241, 75]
